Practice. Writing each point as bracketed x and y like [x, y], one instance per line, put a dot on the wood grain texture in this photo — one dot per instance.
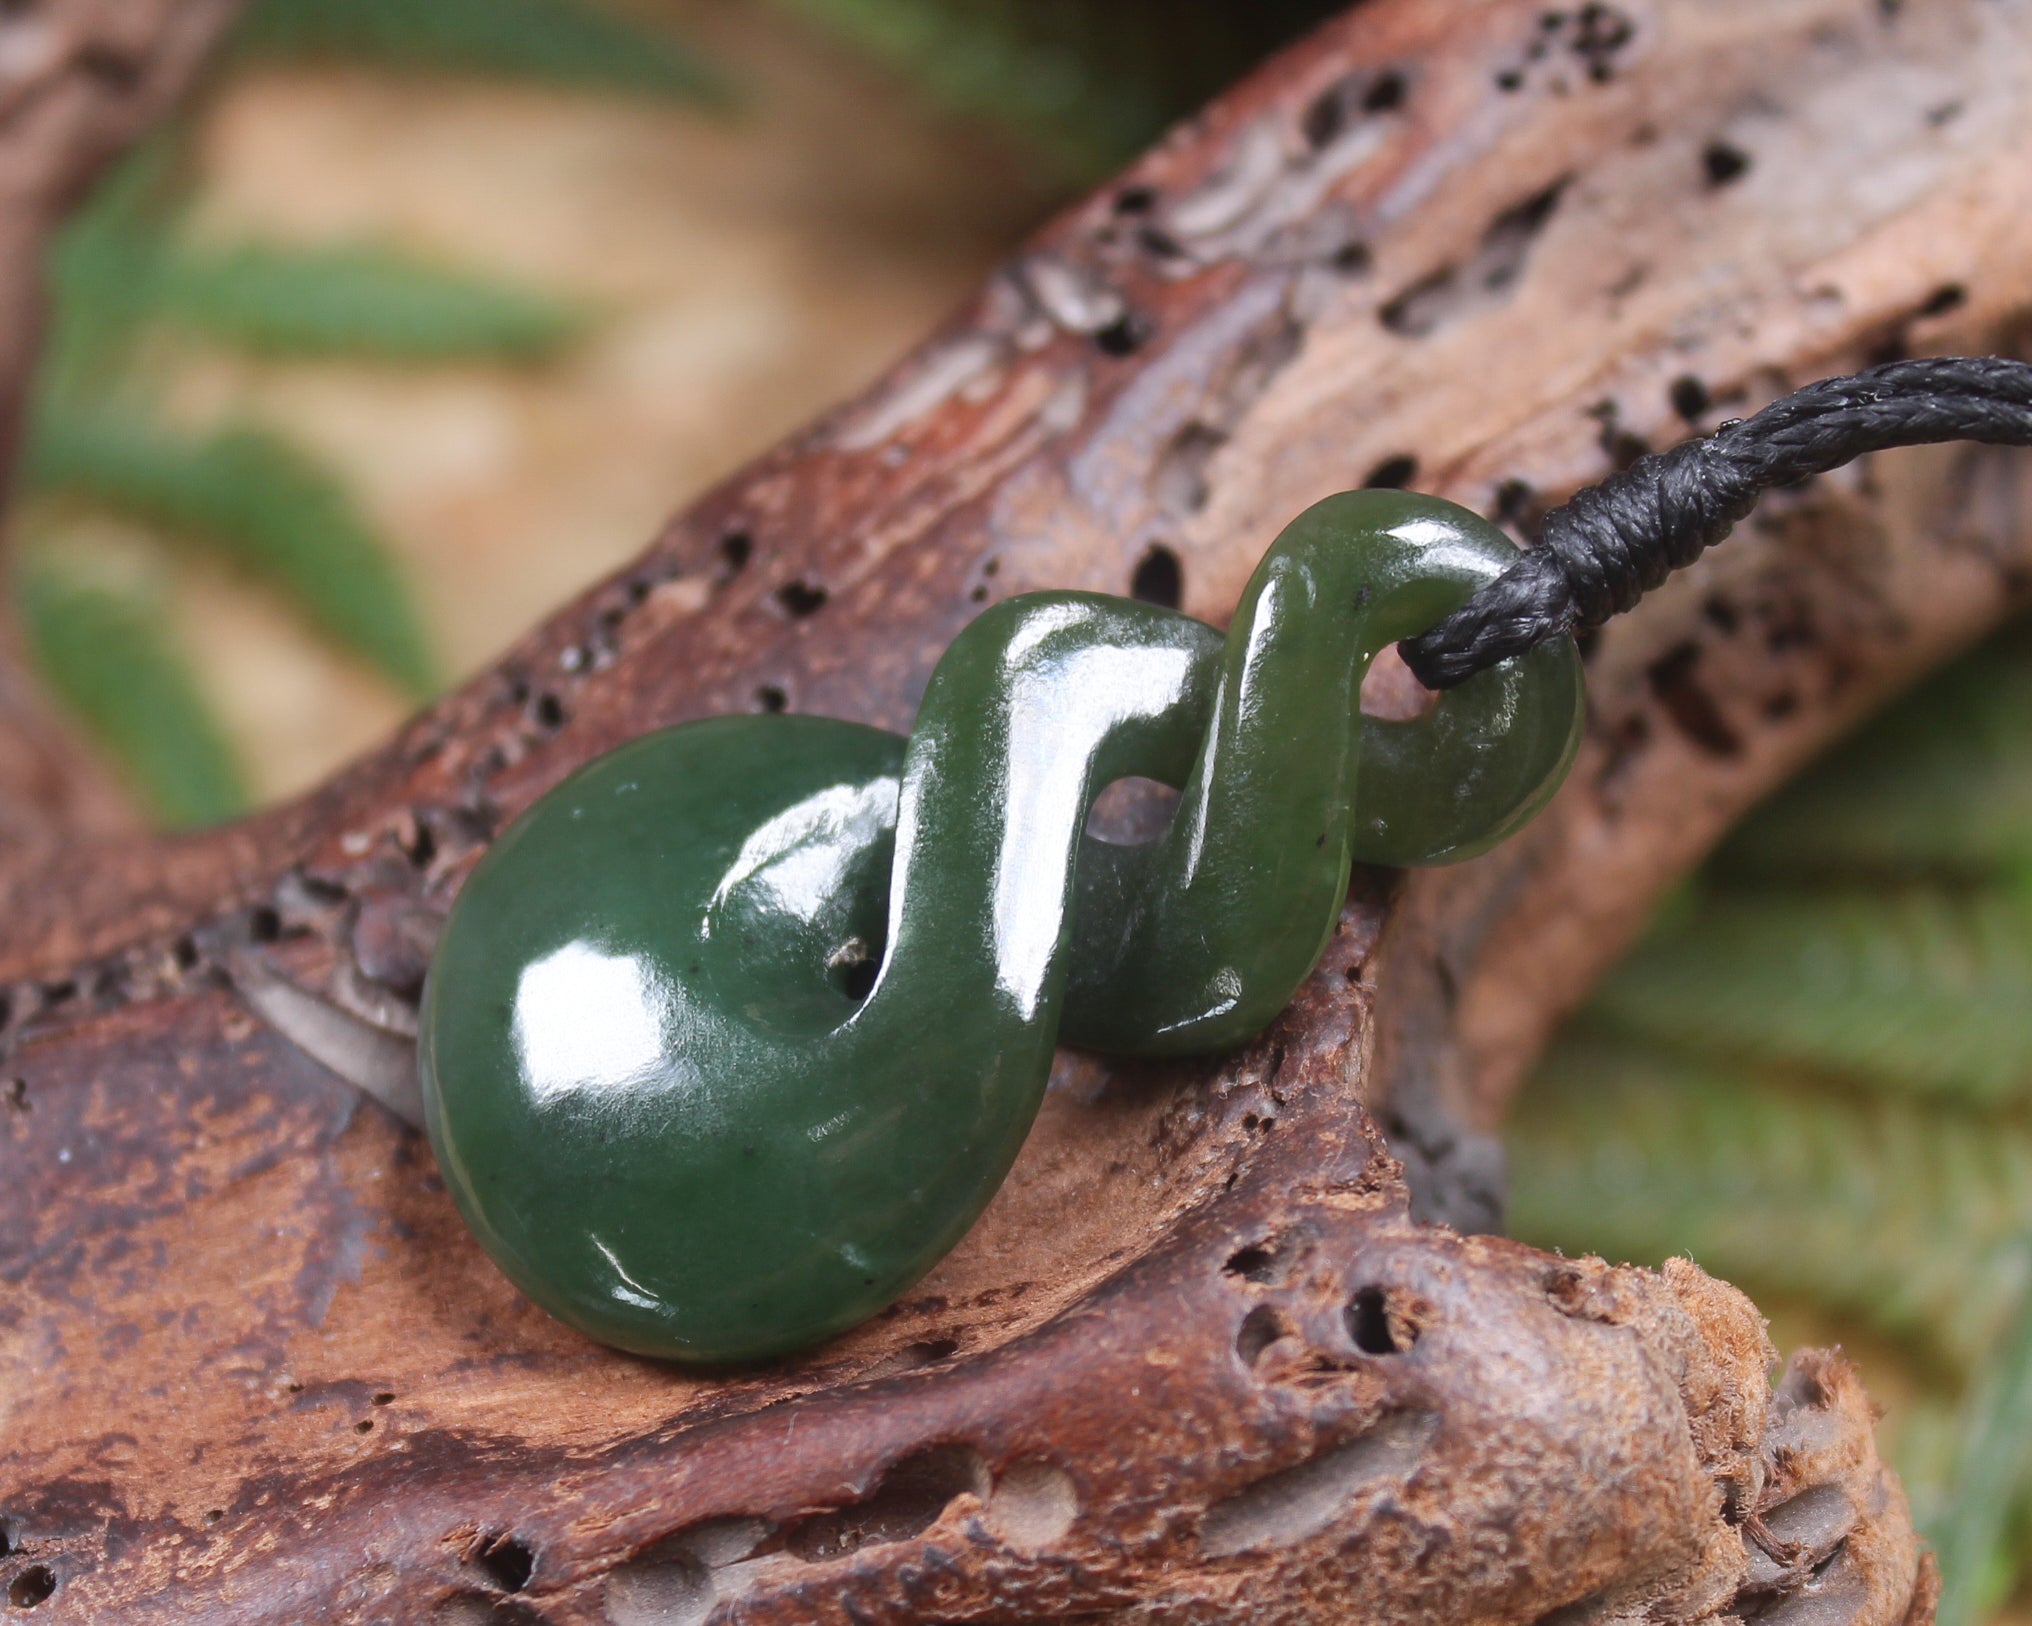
[1203, 1359]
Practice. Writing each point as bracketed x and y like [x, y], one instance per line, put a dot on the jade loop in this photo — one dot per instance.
[735, 1032]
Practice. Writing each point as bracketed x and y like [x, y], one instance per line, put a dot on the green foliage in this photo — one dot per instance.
[124, 271]
[1974, 1535]
[107, 655]
[1938, 788]
[1907, 1217]
[1913, 990]
[104, 272]
[121, 272]
[255, 500]
[1085, 83]
[1816, 1078]
[551, 41]
[358, 302]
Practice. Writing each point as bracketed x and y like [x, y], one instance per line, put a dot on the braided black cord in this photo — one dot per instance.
[1616, 541]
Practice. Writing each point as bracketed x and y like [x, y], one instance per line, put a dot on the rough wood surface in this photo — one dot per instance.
[1201, 1360]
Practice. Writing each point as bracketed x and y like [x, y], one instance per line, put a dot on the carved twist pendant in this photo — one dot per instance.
[735, 1032]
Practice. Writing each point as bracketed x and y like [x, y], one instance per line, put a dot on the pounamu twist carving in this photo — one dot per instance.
[733, 1035]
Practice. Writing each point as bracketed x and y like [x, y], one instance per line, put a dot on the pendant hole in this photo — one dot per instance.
[1131, 811]
[1391, 694]
[854, 966]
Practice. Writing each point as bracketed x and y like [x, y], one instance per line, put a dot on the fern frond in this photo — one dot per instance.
[1979, 1560]
[1939, 786]
[1030, 69]
[258, 501]
[106, 654]
[104, 269]
[358, 302]
[1083, 84]
[1912, 992]
[566, 42]
[1911, 1219]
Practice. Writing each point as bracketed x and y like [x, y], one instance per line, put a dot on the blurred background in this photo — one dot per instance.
[423, 317]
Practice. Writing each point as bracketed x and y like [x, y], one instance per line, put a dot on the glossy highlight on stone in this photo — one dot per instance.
[733, 1034]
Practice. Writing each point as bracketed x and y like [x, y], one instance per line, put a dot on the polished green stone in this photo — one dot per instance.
[733, 1034]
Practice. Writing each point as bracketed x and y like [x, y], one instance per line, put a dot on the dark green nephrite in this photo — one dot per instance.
[734, 1033]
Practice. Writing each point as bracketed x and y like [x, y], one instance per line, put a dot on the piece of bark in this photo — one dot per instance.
[1200, 1360]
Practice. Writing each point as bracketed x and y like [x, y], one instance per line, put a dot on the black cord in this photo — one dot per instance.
[1616, 541]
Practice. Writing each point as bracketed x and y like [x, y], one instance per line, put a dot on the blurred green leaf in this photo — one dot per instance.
[1939, 787]
[550, 41]
[1816, 1076]
[357, 302]
[1037, 70]
[256, 500]
[1084, 83]
[1914, 991]
[1909, 1218]
[105, 275]
[107, 653]
[1975, 1535]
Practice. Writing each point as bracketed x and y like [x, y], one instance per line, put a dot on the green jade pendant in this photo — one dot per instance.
[657, 1083]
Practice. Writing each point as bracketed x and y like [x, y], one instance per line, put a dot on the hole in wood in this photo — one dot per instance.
[1675, 679]
[1393, 473]
[677, 1582]
[1724, 163]
[1387, 94]
[1287, 1506]
[506, 1561]
[1255, 1263]
[801, 599]
[1124, 336]
[32, 1587]
[906, 1502]
[1180, 478]
[1260, 1328]
[1158, 578]
[1494, 272]
[676, 1591]
[1950, 296]
[1327, 114]
[1372, 1327]
[1033, 1505]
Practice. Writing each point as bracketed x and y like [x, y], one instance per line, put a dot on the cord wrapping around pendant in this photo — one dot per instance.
[661, 1087]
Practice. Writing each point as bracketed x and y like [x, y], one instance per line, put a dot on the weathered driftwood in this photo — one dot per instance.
[1200, 1361]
